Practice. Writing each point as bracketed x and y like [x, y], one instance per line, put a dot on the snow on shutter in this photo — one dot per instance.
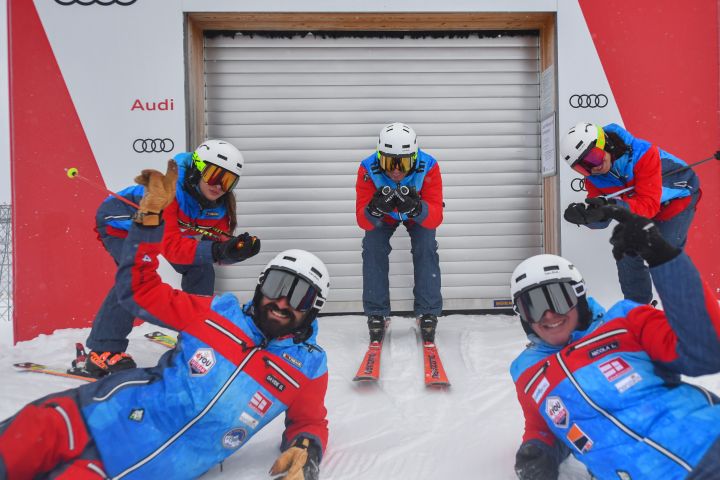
[305, 110]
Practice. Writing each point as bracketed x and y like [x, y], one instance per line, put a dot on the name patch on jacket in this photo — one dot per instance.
[603, 349]
[275, 382]
[202, 362]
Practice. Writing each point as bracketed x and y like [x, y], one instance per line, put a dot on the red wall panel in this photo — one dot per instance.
[61, 273]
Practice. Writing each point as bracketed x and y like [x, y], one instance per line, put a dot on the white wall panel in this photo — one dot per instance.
[306, 110]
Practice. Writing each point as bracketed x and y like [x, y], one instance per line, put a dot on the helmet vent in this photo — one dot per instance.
[388, 145]
[406, 146]
[222, 157]
[521, 277]
[316, 272]
[239, 165]
[551, 268]
[292, 259]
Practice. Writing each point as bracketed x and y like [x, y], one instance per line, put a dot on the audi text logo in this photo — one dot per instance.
[104, 3]
[577, 184]
[150, 145]
[588, 101]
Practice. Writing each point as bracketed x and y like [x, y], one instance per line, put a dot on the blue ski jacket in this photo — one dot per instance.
[613, 395]
[206, 398]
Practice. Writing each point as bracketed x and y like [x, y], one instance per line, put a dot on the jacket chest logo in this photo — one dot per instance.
[201, 362]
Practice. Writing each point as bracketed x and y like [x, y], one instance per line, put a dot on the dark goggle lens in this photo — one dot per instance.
[557, 297]
[593, 158]
[300, 294]
[214, 175]
[404, 163]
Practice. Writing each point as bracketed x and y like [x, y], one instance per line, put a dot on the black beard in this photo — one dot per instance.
[272, 329]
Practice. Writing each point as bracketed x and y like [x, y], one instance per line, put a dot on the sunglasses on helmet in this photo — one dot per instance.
[404, 163]
[301, 294]
[215, 175]
[558, 297]
[592, 157]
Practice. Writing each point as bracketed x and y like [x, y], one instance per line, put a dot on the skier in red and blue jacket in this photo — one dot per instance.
[204, 209]
[400, 183]
[606, 385]
[235, 368]
[663, 189]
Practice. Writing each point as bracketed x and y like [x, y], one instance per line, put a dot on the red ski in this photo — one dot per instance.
[369, 370]
[58, 372]
[435, 375]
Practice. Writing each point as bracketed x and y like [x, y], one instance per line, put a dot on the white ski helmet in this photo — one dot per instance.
[307, 267]
[545, 282]
[220, 153]
[579, 139]
[397, 139]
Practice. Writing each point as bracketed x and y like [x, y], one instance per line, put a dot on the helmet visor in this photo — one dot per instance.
[214, 175]
[404, 163]
[532, 304]
[300, 293]
[589, 160]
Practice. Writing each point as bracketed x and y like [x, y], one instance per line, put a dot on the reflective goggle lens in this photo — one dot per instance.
[404, 163]
[557, 297]
[214, 175]
[300, 293]
[593, 158]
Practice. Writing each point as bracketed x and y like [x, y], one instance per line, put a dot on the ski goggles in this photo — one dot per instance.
[592, 157]
[404, 163]
[301, 294]
[215, 175]
[558, 297]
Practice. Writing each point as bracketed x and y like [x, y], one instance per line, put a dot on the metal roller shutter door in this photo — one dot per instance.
[305, 110]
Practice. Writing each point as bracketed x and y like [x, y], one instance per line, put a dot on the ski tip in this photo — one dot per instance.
[365, 379]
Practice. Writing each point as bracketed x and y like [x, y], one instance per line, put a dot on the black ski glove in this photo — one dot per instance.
[382, 202]
[599, 202]
[408, 201]
[579, 214]
[533, 463]
[636, 235]
[299, 462]
[236, 249]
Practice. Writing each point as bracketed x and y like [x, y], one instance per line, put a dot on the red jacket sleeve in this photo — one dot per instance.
[307, 414]
[141, 290]
[177, 248]
[645, 199]
[535, 426]
[364, 190]
[432, 196]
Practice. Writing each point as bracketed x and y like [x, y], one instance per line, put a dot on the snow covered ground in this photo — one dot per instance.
[394, 430]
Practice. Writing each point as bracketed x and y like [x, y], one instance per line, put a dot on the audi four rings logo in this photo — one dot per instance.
[150, 145]
[577, 184]
[104, 3]
[588, 101]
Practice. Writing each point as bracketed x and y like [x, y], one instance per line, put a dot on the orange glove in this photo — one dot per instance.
[299, 462]
[159, 193]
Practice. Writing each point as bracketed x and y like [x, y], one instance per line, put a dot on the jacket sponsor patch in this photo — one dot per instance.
[555, 409]
[578, 438]
[614, 368]
[202, 361]
[137, 415]
[234, 438]
[292, 360]
[249, 420]
[624, 384]
[272, 380]
[260, 403]
[540, 390]
[596, 352]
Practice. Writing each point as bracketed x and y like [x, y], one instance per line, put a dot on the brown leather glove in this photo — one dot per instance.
[159, 193]
[299, 462]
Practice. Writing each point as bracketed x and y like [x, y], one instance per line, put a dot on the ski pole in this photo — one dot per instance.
[715, 156]
[73, 173]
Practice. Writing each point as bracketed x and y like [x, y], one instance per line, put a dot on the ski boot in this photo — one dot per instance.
[99, 364]
[376, 325]
[427, 323]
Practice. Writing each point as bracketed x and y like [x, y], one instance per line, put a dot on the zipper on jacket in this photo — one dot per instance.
[536, 376]
[282, 373]
[66, 418]
[595, 339]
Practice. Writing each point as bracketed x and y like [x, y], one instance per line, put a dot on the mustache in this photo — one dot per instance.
[275, 307]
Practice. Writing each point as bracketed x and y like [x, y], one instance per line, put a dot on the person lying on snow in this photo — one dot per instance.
[235, 368]
[605, 385]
